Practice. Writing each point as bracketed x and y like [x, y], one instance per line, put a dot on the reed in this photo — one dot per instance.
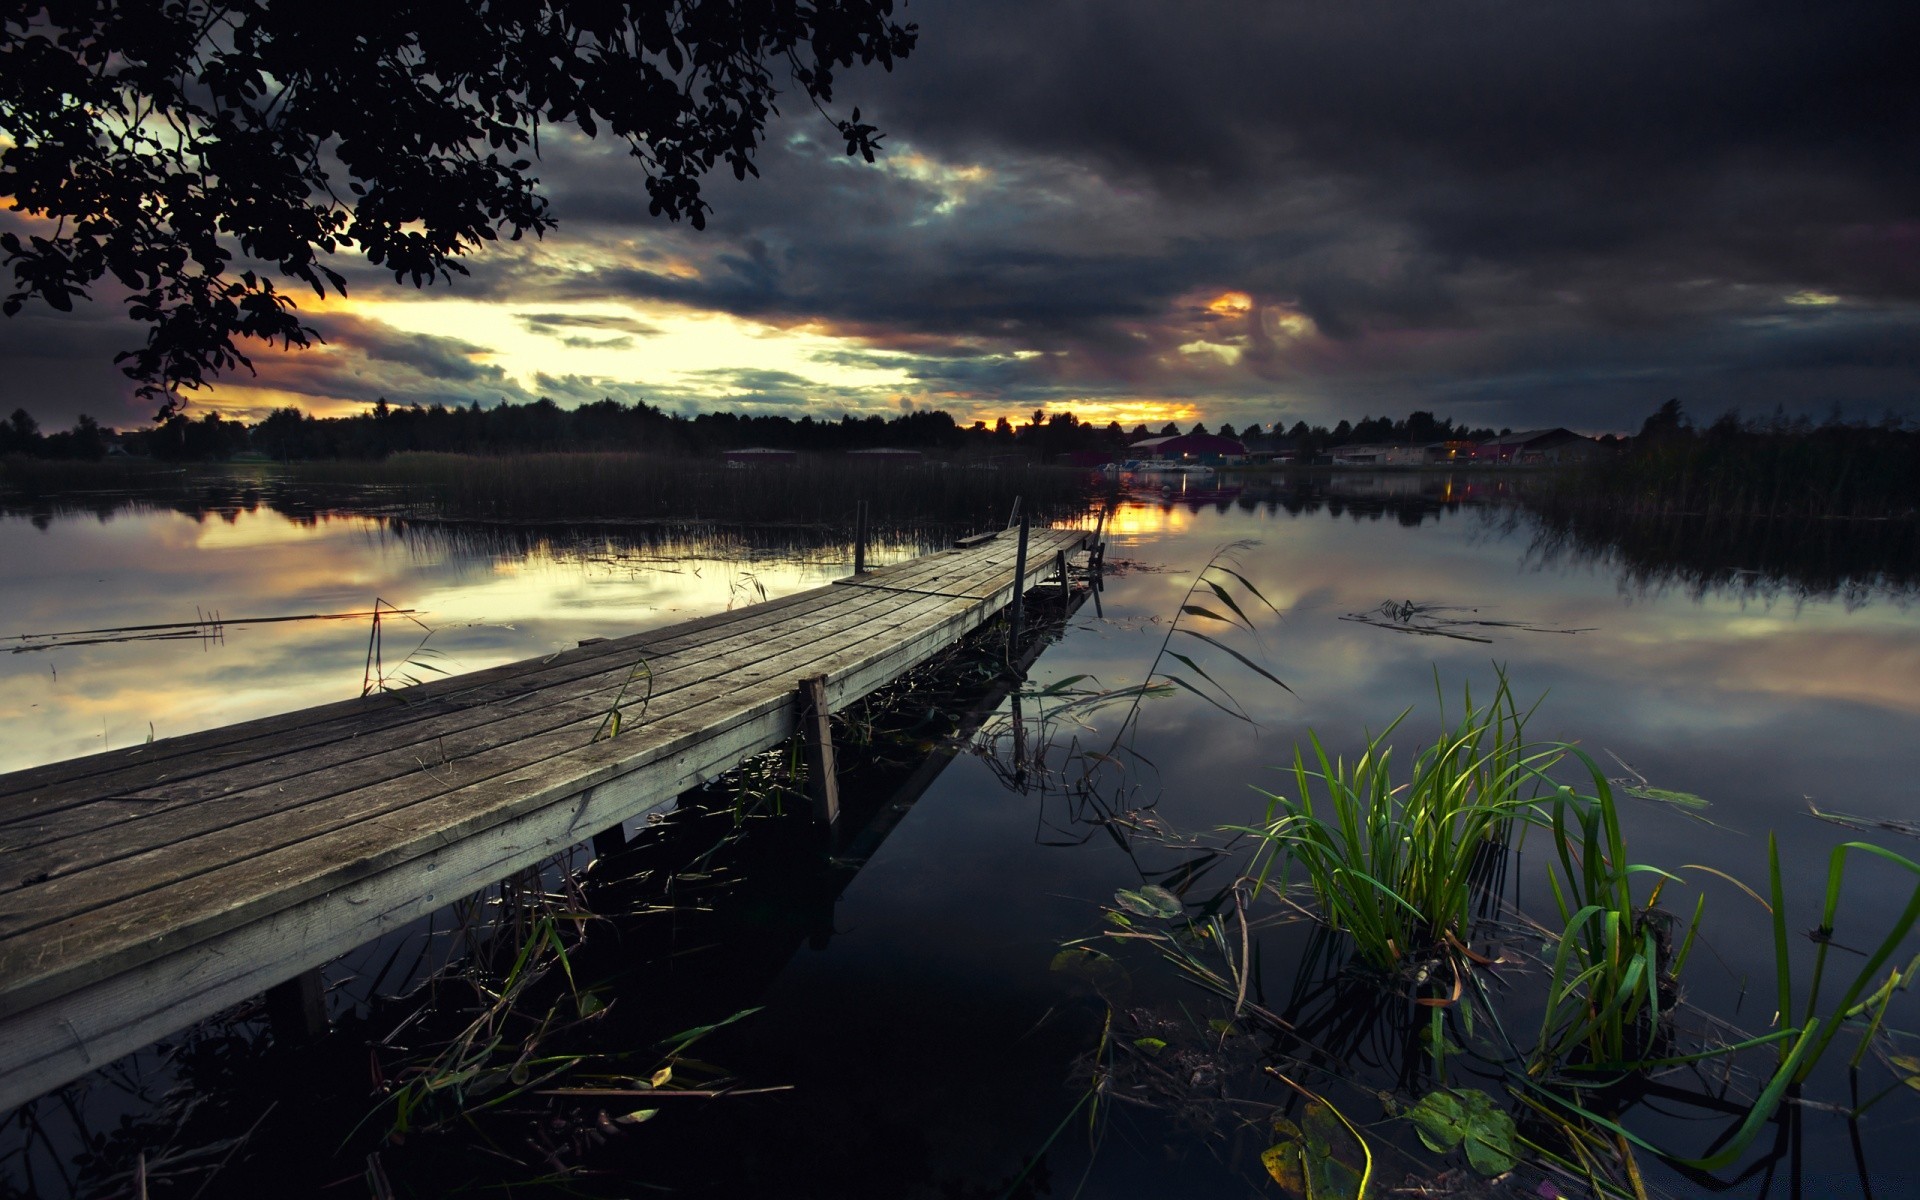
[1614, 976]
[631, 486]
[1402, 867]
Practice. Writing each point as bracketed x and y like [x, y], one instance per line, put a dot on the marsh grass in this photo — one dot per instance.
[1421, 956]
[1403, 867]
[516, 936]
[610, 486]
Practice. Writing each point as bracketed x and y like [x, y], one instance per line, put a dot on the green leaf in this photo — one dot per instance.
[1282, 1161]
[1152, 1045]
[1908, 1068]
[1446, 1118]
[1181, 683]
[1248, 662]
[687, 1037]
[1664, 796]
[1150, 901]
[1098, 970]
[1227, 599]
[1247, 584]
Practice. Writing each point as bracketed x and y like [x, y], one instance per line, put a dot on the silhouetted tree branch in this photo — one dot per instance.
[160, 141]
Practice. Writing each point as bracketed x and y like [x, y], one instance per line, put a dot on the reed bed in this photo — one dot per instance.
[1417, 967]
[1779, 470]
[536, 487]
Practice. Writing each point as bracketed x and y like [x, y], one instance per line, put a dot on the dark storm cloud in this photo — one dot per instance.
[1530, 213]
[1605, 195]
[755, 387]
[557, 324]
[59, 365]
[363, 360]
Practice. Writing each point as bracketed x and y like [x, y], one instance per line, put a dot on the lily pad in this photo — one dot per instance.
[1150, 901]
[1312, 1159]
[1446, 1118]
[1099, 971]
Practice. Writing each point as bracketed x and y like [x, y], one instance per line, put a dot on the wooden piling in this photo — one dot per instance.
[1017, 610]
[297, 1009]
[816, 736]
[610, 841]
[860, 538]
[314, 832]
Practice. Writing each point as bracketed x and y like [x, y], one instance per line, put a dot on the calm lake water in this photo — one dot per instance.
[932, 1049]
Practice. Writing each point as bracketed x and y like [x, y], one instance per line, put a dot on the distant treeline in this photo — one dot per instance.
[543, 426]
[1776, 468]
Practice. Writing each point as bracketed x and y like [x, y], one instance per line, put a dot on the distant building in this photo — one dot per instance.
[886, 454]
[1191, 447]
[757, 456]
[1273, 450]
[1537, 448]
[1454, 451]
[1378, 455]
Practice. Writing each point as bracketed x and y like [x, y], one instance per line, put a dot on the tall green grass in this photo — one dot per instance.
[1402, 866]
[1615, 971]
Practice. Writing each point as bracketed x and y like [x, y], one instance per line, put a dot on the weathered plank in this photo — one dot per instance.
[85, 978]
[139, 790]
[165, 815]
[91, 869]
[139, 940]
[196, 753]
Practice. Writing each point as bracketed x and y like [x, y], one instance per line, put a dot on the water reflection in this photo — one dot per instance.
[1851, 561]
[490, 594]
[935, 988]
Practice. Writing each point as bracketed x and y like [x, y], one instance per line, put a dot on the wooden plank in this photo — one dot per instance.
[464, 711]
[98, 983]
[974, 539]
[602, 674]
[271, 734]
[360, 791]
[94, 944]
[98, 866]
[428, 739]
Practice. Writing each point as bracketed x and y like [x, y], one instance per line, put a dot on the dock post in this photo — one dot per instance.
[1066, 580]
[610, 841]
[1019, 586]
[860, 538]
[297, 1009]
[816, 735]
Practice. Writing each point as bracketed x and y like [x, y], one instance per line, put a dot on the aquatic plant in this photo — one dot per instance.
[1402, 867]
[1404, 870]
[1614, 967]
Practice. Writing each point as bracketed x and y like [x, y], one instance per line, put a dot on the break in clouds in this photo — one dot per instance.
[1514, 214]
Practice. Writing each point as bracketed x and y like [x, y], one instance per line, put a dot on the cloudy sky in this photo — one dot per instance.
[1511, 213]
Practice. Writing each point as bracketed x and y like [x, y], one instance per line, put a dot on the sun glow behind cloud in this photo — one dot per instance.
[684, 349]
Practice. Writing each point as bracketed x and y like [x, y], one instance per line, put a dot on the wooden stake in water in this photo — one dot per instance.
[816, 740]
[1019, 587]
[860, 538]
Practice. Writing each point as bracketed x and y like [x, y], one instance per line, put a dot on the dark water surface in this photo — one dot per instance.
[912, 1005]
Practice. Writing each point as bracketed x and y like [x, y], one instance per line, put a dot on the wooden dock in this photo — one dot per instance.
[142, 890]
